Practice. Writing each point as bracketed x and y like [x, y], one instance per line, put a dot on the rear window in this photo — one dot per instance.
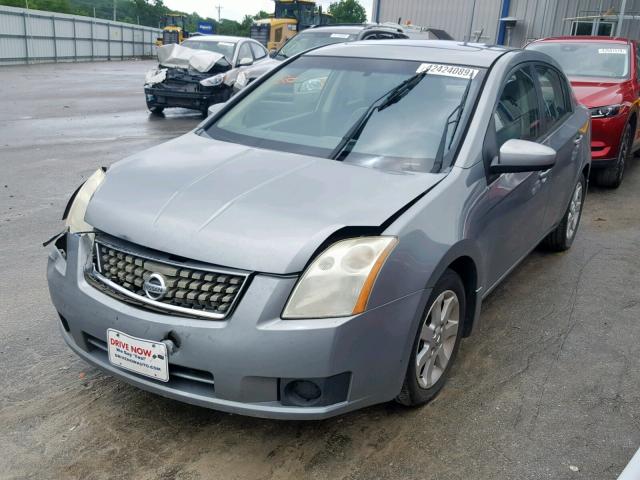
[588, 59]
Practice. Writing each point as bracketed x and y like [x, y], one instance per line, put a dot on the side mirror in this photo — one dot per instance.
[215, 108]
[245, 62]
[273, 52]
[523, 156]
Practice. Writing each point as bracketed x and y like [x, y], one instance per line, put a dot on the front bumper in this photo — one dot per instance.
[167, 98]
[606, 135]
[240, 364]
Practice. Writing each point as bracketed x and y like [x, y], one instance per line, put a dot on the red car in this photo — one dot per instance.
[603, 72]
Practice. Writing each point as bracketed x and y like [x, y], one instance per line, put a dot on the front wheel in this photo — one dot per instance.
[156, 110]
[437, 342]
[562, 237]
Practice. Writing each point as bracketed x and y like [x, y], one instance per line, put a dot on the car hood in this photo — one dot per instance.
[243, 207]
[598, 93]
[177, 56]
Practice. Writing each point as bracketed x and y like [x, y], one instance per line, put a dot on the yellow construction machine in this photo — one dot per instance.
[289, 18]
[173, 29]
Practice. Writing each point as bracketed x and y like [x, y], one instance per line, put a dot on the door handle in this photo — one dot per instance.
[578, 140]
[544, 174]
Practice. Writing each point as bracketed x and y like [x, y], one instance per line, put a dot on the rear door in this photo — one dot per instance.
[562, 132]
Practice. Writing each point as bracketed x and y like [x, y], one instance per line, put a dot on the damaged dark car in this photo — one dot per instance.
[200, 72]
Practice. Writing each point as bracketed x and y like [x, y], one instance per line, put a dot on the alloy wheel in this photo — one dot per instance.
[575, 208]
[437, 339]
[622, 155]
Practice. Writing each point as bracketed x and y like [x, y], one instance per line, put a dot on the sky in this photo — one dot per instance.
[237, 9]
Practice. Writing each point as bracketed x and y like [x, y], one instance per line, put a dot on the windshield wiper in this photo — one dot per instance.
[437, 164]
[344, 148]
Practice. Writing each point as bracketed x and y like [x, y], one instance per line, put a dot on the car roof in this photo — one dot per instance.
[337, 28]
[219, 38]
[441, 51]
[584, 38]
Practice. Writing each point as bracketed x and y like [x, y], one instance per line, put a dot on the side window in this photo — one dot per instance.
[553, 94]
[383, 36]
[517, 115]
[258, 51]
[277, 35]
[637, 62]
[245, 51]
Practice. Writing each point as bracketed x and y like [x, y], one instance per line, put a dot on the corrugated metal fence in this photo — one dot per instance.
[34, 36]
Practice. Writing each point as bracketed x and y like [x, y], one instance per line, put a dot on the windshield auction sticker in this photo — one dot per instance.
[615, 51]
[448, 70]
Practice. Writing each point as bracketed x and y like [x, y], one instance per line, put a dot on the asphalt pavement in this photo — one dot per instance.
[547, 388]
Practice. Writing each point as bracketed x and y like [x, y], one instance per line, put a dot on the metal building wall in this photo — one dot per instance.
[536, 18]
[454, 16]
[546, 18]
[33, 36]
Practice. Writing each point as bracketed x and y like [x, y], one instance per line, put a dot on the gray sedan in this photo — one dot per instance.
[325, 240]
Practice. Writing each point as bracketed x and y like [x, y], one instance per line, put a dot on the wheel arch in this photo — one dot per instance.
[464, 259]
[633, 121]
[467, 270]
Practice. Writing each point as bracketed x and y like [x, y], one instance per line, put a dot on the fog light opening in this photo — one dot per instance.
[61, 245]
[64, 323]
[302, 392]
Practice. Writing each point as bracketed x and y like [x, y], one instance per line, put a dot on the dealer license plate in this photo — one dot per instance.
[144, 357]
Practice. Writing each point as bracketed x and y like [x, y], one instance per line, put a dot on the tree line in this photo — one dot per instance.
[151, 12]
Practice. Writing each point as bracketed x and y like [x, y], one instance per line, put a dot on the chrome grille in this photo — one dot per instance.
[191, 291]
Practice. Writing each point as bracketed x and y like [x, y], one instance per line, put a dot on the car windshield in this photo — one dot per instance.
[225, 48]
[351, 109]
[588, 59]
[310, 39]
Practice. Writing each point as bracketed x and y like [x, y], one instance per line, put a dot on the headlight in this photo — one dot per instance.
[74, 213]
[604, 112]
[241, 80]
[338, 283]
[213, 81]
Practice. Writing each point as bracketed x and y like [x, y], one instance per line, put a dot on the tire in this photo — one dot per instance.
[611, 177]
[562, 237]
[420, 385]
[156, 110]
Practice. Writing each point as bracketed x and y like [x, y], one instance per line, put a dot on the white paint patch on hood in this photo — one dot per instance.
[177, 56]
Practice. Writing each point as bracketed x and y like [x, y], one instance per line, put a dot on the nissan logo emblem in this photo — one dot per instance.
[155, 287]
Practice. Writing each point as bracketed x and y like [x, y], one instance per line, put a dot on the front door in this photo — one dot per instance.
[514, 203]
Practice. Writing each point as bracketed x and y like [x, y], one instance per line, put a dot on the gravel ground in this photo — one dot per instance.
[547, 388]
